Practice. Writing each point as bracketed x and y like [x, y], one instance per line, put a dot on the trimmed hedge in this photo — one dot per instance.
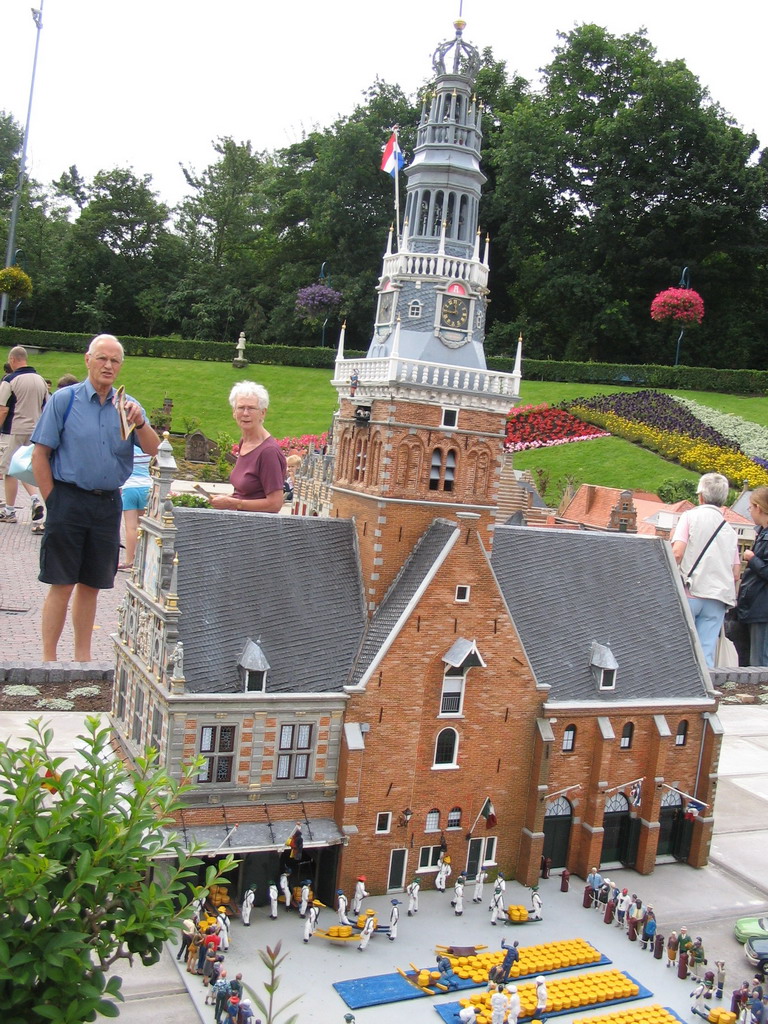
[175, 348]
[676, 378]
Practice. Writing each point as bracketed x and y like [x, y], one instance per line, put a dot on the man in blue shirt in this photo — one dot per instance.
[80, 461]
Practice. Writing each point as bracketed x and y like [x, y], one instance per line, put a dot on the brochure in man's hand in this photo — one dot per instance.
[126, 428]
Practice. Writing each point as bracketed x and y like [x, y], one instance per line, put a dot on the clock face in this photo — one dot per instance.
[385, 307]
[454, 312]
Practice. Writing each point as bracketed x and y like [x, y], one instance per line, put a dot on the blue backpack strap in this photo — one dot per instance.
[69, 404]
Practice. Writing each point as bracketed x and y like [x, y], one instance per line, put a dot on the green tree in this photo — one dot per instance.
[611, 179]
[80, 849]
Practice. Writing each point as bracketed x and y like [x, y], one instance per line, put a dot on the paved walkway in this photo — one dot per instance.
[22, 595]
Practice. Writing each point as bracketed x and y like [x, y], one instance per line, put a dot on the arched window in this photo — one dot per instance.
[560, 807]
[454, 817]
[569, 737]
[414, 310]
[626, 736]
[432, 823]
[446, 747]
[681, 735]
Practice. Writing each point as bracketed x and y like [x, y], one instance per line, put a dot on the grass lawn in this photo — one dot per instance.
[606, 461]
[303, 402]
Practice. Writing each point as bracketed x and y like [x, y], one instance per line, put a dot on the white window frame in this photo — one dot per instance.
[387, 816]
[432, 857]
[462, 593]
[432, 825]
[681, 736]
[449, 418]
[489, 851]
[453, 684]
[414, 309]
[453, 822]
[448, 765]
[569, 739]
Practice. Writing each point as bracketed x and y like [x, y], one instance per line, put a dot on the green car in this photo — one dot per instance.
[746, 927]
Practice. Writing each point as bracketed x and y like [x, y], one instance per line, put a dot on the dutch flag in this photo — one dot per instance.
[392, 160]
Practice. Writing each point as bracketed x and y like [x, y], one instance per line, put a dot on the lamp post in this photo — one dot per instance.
[37, 15]
[685, 282]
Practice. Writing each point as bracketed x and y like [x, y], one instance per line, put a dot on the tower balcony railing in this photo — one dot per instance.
[374, 374]
[433, 265]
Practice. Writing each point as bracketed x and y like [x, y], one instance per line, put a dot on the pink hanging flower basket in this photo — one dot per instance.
[683, 306]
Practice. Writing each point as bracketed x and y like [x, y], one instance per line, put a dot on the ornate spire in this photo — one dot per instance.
[465, 57]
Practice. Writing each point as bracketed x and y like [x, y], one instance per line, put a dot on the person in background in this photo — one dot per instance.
[706, 549]
[66, 381]
[752, 604]
[23, 394]
[134, 493]
[260, 470]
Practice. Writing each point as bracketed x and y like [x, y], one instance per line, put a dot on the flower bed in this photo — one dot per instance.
[542, 426]
[301, 444]
[693, 452]
[750, 437]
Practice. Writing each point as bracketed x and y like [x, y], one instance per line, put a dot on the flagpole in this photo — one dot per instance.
[397, 198]
[482, 808]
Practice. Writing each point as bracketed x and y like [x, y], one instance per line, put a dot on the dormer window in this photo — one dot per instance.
[604, 666]
[252, 668]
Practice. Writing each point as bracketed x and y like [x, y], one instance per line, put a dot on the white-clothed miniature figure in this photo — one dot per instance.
[247, 907]
[359, 895]
[394, 917]
[477, 895]
[413, 897]
[367, 932]
[272, 893]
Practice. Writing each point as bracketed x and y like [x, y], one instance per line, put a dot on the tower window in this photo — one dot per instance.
[414, 310]
[626, 736]
[462, 594]
[682, 734]
[569, 738]
[442, 471]
[450, 417]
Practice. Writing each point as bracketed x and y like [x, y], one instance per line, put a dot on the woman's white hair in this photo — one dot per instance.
[713, 487]
[249, 389]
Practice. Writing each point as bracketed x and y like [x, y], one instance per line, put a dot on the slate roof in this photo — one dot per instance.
[414, 572]
[290, 583]
[566, 589]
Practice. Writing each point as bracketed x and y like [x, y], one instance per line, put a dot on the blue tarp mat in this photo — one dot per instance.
[448, 1011]
[393, 988]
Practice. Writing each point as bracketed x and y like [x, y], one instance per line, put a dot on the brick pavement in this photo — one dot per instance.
[22, 595]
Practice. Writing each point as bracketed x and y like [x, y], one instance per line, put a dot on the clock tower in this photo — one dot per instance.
[420, 426]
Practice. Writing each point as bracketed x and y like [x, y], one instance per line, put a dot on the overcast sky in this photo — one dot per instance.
[149, 83]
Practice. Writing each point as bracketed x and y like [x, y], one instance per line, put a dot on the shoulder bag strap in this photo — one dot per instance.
[704, 549]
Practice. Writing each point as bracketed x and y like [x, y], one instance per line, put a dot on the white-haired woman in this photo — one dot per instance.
[260, 470]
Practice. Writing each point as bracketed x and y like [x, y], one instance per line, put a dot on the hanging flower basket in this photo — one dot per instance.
[316, 301]
[682, 306]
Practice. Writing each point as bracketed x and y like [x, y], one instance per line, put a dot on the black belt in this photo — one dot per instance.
[100, 492]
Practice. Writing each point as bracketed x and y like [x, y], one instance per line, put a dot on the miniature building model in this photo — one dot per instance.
[376, 679]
